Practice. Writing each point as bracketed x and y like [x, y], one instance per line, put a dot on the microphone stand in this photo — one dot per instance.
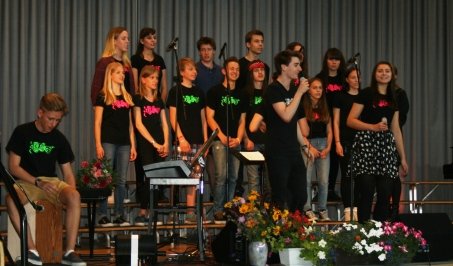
[227, 157]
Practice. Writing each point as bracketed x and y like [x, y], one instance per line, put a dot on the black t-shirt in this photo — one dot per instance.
[150, 114]
[115, 121]
[139, 62]
[375, 109]
[254, 103]
[39, 151]
[191, 102]
[218, 100]
[281, 136]
[343, 101]
[318, 128]
[332, 85]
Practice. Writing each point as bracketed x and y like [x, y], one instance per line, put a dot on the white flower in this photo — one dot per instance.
[321, 255]
[382, 257]
[322, 243]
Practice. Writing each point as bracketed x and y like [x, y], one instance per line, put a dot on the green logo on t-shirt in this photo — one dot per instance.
[229, 100]
[189, 99]
[258, 100]
[36, 147]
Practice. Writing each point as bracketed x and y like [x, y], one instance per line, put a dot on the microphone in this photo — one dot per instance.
[384, 120]
[354, 58]
[222, 51]
[172, 44]
[37, 207]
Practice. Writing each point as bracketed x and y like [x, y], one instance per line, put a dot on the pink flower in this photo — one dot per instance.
[84, 164]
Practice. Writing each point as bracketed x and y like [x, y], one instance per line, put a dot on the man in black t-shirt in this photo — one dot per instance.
[226, 108]
[283, 112]
[33, 150]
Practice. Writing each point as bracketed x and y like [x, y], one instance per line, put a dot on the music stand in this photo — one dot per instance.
[177, 173]
[252, 158]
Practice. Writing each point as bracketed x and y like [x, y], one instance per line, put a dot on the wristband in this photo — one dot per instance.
[37, 180]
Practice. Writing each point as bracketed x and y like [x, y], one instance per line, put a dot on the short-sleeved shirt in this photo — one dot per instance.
[343, 101]
[150, 114]
[332, 85]
[208, 77]
[375, 108]
[218, 99]
[191, 102]
[39, 151]
[139, 63]
[115, 121]
[281, 136]
[318, 128]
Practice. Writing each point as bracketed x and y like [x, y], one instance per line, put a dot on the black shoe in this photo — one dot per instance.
[332, 196]
[33, 259]
[120, 221]
[72, 259]
[315, 198]
[105, 222]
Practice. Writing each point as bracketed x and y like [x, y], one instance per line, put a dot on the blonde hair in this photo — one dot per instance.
[107, 89]
[109, 48]
[146, 72]
[184, 62]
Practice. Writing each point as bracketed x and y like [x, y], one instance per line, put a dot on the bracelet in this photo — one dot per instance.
[37, 180]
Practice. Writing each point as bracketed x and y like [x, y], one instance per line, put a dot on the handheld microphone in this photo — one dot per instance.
[222, 51]
[172, 44]
[384, 120]
[354, 58]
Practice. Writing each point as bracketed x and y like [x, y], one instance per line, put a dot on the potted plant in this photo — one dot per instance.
[390, 243]
[95, 178]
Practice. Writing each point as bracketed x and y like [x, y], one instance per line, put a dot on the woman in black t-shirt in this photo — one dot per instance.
[378, 143]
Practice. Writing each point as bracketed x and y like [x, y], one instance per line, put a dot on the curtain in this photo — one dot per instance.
[53, 45]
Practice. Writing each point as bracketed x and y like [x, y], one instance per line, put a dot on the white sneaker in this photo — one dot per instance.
[323, 216]
[311, 215]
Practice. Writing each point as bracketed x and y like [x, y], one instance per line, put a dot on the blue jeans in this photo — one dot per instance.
[254, 174]
[219, 153]
[119, 156]
[318, 168]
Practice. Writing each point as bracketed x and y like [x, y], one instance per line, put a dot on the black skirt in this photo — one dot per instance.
[374, 153]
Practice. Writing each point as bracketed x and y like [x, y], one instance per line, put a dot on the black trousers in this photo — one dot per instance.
[367, 186]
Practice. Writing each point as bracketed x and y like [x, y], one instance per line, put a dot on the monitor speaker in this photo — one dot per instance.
[437, 229]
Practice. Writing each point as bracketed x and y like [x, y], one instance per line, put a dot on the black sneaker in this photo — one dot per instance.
[105, 222]
[72, 259]
[332, 196]
[32, 259]
[120, 221]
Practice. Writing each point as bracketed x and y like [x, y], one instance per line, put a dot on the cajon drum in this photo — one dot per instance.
[46, 228]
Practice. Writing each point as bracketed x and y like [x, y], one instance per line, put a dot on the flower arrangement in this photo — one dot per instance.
[253, 217]
[96, 174]
[258, 220]
[389, 243]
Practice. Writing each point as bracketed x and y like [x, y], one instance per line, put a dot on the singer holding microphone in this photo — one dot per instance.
[378, 143]
[33, 151]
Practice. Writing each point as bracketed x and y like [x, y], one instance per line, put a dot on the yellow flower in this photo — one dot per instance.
[266, 206]
[252, 197]
[285, 213]
[245, 208]
[276, 230]
[263, 233]
[229, 204]
[276, 214]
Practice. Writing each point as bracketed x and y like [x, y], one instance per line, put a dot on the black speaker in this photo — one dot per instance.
[437, 229]
[228, 246]
[147, 249]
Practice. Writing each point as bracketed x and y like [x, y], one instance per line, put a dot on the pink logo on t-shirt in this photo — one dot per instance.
[333, 87]
[119, 104]
[316, 116]
[150, 110]
[383, 103]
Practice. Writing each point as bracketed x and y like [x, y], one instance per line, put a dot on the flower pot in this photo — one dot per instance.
[94, 193]
[257, 251]
[344, 258]
[291, 257]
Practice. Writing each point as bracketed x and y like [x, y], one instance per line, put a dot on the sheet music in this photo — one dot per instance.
[253, 156]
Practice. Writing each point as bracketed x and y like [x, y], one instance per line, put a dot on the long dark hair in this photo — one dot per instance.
[304, 63]
[143, 33]
[391, 86]
[322, 104]
[250, 86]
[333, 53]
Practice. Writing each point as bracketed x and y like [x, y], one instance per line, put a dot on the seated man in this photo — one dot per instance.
[33, 150]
